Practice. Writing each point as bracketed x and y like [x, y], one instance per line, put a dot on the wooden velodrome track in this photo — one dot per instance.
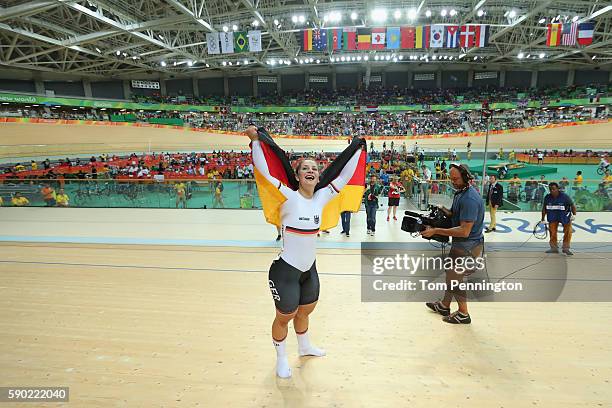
[155, 325]
[34, 140]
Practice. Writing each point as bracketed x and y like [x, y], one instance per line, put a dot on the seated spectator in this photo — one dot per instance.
[62, 199]
[19, 201]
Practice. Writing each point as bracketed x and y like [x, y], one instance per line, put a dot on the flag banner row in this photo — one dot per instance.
[570, 34]
[396, 38]
[233, 42]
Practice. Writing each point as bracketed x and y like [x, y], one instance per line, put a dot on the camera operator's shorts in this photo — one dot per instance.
[469, 248]
[291, 287]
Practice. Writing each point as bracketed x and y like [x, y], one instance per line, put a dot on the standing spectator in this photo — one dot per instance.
[181, 195]
[218, 202]
[34, 165]
[406, 178]
[425, 182]
[578, 180]
[540, 158]
[345, 216]
[395, 189]
[495, 199]
[372, 192]
[48, 194]
[564, 184]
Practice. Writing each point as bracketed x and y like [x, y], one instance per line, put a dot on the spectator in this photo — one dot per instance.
[19, 201]
[62, 198]
[48, 194]
[495, 199]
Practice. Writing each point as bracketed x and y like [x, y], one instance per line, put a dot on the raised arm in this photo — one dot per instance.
[259, 162]
[347, 172]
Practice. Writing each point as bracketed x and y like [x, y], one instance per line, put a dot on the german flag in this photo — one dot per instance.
[307, 40]
[279, 167]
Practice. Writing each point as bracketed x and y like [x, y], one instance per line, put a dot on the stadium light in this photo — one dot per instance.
[230, 63]
[542, 55]
[412, 14]
[376, 58]
[401, 57]
[528, 55]
[443, 12]
[453, 12]
[542, 20]
[161, 37]
[99, 52]
[435, 57]
[359, 58]
[379, 15]
[512, 13]
[118, 53]
[461, 56]
[480, 13]
[575, 19]
[520, 55]
[366, 58]
[225, 28]
[301, 19]
[397, 14]
[428, 13]
[163, 63]
[342, 59]
[475, 57]
[335, 16]
[318, 61]
[353, 16]
[234, 27]
[246, 62]
[394, 59]
[388, 57]
[190, 63]
[255, 23]
[294, 18]
[207, 66]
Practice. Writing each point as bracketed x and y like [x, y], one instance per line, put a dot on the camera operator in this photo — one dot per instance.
[467, 216]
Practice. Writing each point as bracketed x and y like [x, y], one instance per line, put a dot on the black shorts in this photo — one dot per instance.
[291, 287]
[393, 202]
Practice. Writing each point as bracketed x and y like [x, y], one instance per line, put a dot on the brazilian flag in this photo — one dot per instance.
[241, 41]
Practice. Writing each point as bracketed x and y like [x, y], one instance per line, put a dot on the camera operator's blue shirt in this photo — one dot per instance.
[468, 206]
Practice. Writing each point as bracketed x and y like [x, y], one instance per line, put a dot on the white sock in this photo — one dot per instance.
[282, 364]
[307, 349]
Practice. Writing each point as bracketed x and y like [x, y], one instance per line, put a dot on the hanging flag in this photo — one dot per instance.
[227, 42]
[378, 38]
[585, 33]
[451, 39]
[307, 40]
[241, 42]
[407, 40]
[393, 38]
[254, 40]
[436, 37]
[421, 38]
[481, 36]
[334, 39]
[466, 36]
[349, 38]
[553, 35]
[212, 43]
[319, 40]
[364, 36]
[569, 32]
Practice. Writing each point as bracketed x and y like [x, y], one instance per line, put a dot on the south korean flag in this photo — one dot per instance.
[436, 38]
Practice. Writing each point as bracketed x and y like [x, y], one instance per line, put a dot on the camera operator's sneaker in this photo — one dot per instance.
[458, 318]
[553, 251]
[438, 308]
[567, 252]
